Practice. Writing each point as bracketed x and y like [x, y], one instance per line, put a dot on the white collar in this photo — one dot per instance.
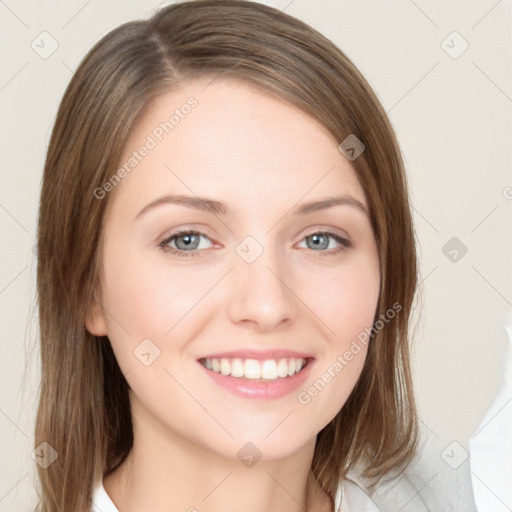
[353, 498]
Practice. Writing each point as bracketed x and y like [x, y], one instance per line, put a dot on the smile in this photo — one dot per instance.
[253, 369]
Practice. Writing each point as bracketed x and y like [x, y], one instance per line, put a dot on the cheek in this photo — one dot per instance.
[345, 302]
[150, 301]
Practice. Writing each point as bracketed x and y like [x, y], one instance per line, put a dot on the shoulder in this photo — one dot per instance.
[352, 498]
[101, 501]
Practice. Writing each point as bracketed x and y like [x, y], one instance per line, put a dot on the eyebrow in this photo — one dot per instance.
[216, 207]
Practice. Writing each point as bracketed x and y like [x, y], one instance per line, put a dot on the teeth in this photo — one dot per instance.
[237, 368]
[270, 369]
[282, 368]
[225, 367]
[252, 369]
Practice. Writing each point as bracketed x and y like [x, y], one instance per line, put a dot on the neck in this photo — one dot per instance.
[164, 471]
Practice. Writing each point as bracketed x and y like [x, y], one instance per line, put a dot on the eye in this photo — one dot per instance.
[319, 241]
[183, 243]
[187, 243]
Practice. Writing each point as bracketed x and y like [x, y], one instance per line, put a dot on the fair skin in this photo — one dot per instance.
[263, 159]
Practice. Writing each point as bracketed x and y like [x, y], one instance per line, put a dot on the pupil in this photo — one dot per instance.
[186, 240]
[317, 240]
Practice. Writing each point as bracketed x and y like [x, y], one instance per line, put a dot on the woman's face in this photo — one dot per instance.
[264, 278]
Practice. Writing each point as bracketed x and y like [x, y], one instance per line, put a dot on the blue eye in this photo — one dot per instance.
[188, 243]
[320, 242]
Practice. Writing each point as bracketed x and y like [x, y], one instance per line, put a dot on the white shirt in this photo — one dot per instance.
[353, 498]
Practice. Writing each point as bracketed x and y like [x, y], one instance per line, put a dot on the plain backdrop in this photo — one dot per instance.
[451, 107]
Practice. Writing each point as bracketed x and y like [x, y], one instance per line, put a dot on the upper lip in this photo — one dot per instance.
[259, 355]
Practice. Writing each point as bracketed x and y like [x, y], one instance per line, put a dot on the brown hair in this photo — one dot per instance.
[84, 410]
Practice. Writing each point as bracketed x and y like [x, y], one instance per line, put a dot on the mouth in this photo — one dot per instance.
[257, 374]
[256, 370]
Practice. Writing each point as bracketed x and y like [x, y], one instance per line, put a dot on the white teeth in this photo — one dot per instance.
[282, 368]
[252, 369]
[225, 367]
[237, 368]
[270, 369]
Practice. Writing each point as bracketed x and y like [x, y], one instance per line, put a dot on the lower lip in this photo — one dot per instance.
[263, 390]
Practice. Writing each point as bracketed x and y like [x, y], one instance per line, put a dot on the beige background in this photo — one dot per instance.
[453, 117]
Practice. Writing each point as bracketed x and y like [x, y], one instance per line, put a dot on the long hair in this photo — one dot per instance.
[84, 410]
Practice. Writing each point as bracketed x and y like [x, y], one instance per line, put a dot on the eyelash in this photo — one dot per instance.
[164, 245]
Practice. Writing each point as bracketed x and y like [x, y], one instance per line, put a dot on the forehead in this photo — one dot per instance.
[226, 139]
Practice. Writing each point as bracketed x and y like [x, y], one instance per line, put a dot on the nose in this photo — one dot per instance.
[262, 295]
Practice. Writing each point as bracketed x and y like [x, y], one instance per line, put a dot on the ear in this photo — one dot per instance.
[95, 321]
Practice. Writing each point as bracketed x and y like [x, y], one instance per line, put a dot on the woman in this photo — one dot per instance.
[226, 268]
